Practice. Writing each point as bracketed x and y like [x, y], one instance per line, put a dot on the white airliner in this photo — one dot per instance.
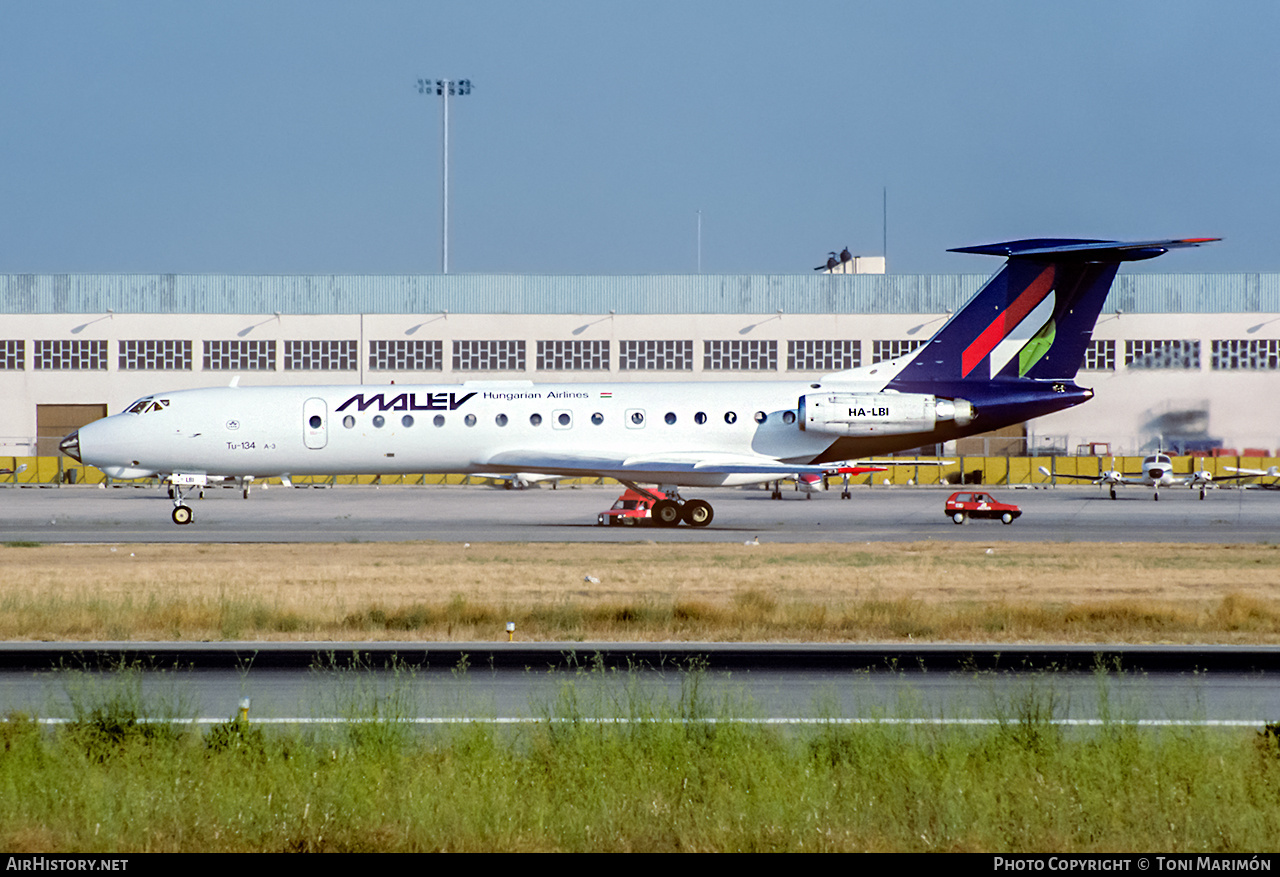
[1157, 472]
[813, 482]
[1010, 354]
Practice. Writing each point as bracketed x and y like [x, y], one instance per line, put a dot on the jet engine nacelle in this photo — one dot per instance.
[866, 414]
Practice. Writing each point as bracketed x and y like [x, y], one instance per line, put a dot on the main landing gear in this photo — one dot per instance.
[670, 510]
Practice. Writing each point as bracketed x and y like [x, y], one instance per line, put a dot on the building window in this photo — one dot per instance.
[406, 356]
[573, 355]
[655, 356]
[71, 355]
[1099, 356]
[887, 349]
[155, 356]
[739, 355]
[324, 356]
[248, 356]
[823, 355]
[488, 356]
[1254, 354]
[13, 355]
[1184, 354]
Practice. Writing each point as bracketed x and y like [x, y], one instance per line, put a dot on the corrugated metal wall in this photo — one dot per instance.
[551, 294]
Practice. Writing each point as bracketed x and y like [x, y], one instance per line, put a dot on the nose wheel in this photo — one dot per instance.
[182, 513]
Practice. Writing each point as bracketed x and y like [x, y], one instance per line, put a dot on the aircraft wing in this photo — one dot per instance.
[1242, 474]
[637, 465]
[675, 463]
[1094, 479]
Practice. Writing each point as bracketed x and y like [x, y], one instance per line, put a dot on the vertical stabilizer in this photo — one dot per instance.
[1034, 318]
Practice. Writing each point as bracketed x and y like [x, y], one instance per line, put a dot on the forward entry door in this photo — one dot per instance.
[315, 423]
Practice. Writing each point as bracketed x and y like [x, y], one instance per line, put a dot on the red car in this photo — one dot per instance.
[965, 504]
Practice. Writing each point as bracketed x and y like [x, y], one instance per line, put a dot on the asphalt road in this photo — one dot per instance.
[484, 514]
[806, 693]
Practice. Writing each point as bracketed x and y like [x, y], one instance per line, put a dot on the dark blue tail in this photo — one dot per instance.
[1035, 318]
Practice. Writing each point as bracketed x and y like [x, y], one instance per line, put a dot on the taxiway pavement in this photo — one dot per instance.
[568, 514]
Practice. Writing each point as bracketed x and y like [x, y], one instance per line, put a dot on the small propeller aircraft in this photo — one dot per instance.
[1157, 472]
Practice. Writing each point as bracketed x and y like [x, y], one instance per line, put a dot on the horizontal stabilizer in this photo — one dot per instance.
[1063, 249]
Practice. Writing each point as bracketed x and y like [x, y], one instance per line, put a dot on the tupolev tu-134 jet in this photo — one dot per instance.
[1010, 354]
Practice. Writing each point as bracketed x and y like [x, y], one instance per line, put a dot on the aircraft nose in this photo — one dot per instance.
[71, 446]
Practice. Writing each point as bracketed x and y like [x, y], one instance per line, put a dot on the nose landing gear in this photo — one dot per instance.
[182, 513]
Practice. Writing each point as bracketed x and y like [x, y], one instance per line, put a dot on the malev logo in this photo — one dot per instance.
[233, 424]
[407, 402]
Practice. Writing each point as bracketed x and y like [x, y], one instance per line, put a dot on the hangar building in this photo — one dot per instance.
[1182, 361]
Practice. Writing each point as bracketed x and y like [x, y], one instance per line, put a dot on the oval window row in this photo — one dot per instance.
[563, 419]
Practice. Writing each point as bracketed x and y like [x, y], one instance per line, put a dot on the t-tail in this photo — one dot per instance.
[1035, 318]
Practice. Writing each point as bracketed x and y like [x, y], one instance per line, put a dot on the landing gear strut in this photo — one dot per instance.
[182, 513]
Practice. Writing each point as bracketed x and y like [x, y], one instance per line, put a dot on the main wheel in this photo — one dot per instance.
[958, 517]
[1006, 518]
[182, 515]
[666, 513]
[697, 513]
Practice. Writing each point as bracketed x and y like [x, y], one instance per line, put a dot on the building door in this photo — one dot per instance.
[54, 422]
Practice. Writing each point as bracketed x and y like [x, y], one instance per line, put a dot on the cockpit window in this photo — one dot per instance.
[147, 405]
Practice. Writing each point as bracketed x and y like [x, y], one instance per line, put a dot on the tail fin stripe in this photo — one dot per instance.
[1006, 322]
[1015, 343]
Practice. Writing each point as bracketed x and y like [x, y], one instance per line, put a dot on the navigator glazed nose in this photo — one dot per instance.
[71, 446]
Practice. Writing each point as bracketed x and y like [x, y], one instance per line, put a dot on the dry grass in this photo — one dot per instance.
[431, 591]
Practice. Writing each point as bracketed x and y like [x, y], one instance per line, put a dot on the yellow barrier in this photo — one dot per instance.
[959, 470]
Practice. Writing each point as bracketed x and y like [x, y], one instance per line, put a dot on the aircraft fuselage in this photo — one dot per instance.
[495, 427]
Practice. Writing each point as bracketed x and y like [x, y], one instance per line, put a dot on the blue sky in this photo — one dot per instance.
[289, 137]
